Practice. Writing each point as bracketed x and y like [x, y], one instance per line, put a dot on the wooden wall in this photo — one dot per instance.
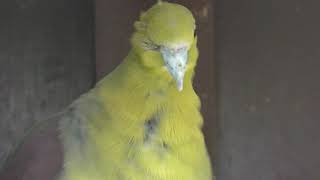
[46, 61]
[267, 55]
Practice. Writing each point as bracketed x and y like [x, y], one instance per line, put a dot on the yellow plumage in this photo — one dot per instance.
[135, 124]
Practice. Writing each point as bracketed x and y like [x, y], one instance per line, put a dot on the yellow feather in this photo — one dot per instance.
[135, 124]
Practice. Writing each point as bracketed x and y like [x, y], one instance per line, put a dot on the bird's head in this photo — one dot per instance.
[164, 36]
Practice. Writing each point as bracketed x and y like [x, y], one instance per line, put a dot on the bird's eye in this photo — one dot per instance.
[154, 47]
[149, 45]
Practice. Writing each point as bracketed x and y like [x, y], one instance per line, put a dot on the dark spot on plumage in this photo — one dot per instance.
[150, 127]
[195, 32]
[165, 145]
[158, 93]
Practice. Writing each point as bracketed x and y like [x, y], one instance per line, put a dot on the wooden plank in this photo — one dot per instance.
[114, 25]
[267, 54]
[45, 61]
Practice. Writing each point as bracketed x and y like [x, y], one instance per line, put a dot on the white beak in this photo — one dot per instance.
[176, 61]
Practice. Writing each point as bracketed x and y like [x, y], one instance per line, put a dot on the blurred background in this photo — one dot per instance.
[257, 75]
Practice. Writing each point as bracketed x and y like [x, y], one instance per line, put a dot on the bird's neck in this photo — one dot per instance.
[135, 89]
[140, 107]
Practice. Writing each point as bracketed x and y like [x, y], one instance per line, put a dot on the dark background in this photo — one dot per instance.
[257, 75]
[267, 61]
[46, 61]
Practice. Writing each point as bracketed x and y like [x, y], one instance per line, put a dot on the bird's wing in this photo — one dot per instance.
[39, 156]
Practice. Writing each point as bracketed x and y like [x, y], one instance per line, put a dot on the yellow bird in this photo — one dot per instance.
[142, 121]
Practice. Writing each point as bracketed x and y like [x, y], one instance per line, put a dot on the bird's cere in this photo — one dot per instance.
[176, 60]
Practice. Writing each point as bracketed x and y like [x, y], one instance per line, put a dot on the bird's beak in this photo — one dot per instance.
[176, 61]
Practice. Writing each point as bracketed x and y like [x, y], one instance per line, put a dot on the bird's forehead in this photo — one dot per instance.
[169, 23]
[167, 11]
[175, 36]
